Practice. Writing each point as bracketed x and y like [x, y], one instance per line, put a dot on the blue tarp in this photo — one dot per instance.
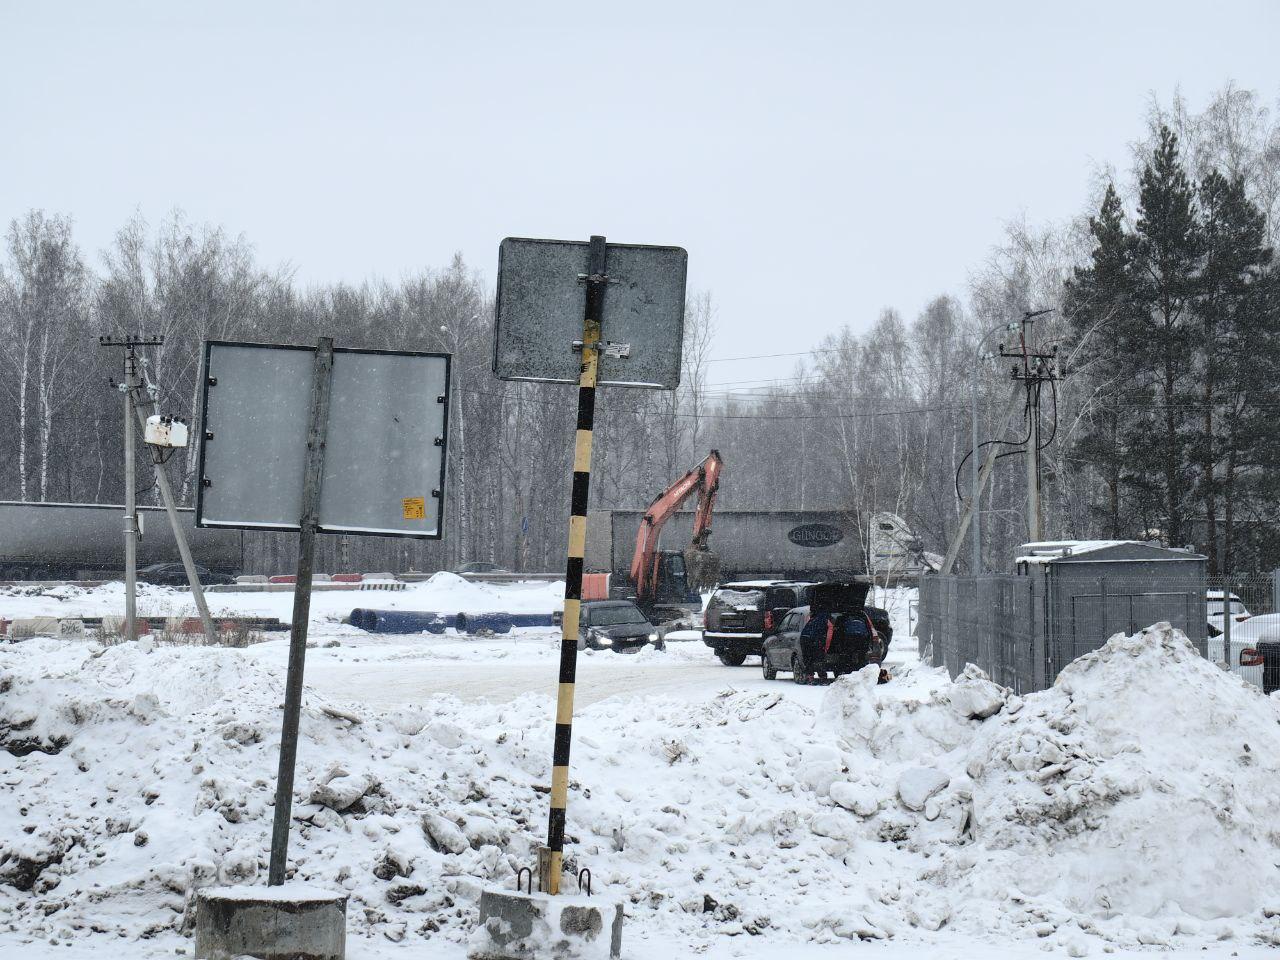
[400, 621]
[412, 621]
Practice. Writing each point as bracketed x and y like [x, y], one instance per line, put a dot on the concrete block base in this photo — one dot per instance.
[294, 921]
[522, 926]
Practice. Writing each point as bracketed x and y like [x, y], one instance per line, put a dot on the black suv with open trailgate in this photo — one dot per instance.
[742, 614]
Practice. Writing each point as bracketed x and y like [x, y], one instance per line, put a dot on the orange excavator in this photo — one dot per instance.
[663, 579]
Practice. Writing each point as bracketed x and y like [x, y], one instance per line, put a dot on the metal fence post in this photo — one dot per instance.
[1226, 628]
[1040, 632]
[1030, 677]
[1102, 592]
[1275, 590]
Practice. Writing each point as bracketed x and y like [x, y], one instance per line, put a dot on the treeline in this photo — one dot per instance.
[1166, 322]
[507, 475]
[1177, 324]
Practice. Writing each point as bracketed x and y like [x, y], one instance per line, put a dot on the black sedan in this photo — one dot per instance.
[785, 652]
[616, 625]
[175, 575]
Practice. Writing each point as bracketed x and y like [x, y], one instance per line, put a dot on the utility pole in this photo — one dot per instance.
[171, 509]
[970, 512]
[974, 508]
[1033, 369]
[130, 344]
[136, 379]
[130, 503]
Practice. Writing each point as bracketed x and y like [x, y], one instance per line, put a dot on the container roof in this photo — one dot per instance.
[1051, 551]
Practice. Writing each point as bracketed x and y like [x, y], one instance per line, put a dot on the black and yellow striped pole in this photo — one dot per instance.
[551, 857]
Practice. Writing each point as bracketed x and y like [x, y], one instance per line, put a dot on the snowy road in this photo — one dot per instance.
[377, 685]
[692, 674]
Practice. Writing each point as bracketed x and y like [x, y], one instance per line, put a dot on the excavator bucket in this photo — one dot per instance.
[703, 568]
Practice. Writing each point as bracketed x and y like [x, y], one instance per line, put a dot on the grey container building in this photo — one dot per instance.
[1095, 589]
[1065, 599]
[751, 544]
[41, 541]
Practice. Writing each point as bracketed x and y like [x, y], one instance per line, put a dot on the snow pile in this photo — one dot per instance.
[1146, 781]
[449, 593]
[1132, 803]
[1134, 800]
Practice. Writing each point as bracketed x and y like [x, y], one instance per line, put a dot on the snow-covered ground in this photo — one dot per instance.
[443, 593]
[1132, 807]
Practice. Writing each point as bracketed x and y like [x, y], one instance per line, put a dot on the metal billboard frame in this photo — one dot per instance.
[555, 321]
[610, 354]
[294, 528]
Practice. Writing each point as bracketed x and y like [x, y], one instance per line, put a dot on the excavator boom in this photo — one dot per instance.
[705, 479]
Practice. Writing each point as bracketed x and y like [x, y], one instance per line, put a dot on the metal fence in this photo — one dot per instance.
[1022, 630]
[1245, 597]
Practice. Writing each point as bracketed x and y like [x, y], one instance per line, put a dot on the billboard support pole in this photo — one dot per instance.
[551, 857]
[313, 476]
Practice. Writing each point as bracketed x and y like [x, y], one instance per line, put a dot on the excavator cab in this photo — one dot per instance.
[673, 578]
[673, 593]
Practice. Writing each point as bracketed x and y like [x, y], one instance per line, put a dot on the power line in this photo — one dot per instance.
[711, 415]
[766, 381]
[770, 356]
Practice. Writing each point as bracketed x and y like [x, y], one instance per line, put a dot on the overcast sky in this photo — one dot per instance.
[819, 161]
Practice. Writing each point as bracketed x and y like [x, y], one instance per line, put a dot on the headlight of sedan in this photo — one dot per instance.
[602, 640]
[654, 638]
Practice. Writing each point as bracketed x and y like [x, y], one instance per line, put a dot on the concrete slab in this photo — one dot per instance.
[34, 627]
[523, 926]
[293, 921]
[274, 587]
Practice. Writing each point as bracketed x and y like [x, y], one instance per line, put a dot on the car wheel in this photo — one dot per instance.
[769, 670]
[731, 659]
[798, 674]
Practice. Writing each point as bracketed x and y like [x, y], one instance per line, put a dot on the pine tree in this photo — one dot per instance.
[1098, 303]
[1168, 251]
[1235, 345]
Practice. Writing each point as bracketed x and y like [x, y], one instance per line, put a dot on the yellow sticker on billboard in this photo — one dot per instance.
[415, 508]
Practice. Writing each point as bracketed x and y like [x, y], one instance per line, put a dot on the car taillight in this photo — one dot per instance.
[1250, 657]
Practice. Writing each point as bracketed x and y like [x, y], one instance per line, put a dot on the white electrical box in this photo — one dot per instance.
[165, 432]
